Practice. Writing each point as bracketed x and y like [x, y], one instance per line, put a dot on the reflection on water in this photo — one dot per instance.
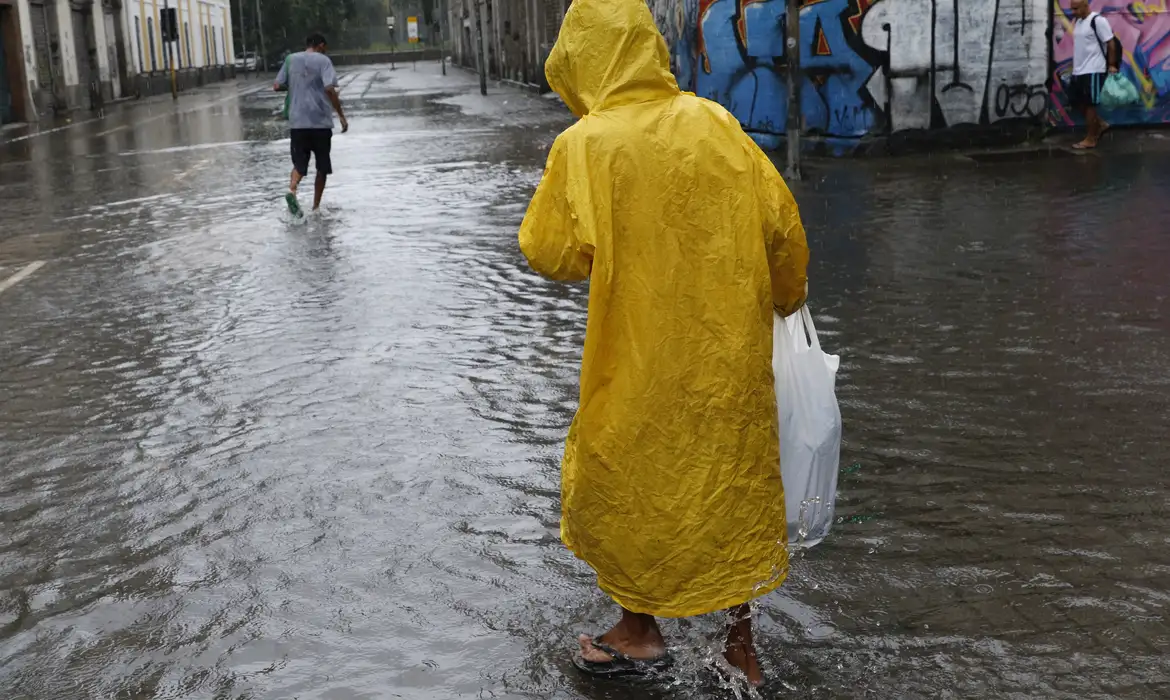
[253, 460]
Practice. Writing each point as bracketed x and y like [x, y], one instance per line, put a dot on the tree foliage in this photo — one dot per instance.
[286, 23]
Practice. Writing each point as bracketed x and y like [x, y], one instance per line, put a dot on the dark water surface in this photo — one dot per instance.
[242, 458]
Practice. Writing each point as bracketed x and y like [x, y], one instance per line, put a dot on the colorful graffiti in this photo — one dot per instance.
[868, 65]
[738, 59]
[1144, 30]
[883, 66]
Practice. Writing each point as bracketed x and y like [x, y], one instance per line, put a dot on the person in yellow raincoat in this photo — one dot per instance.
[690, 239]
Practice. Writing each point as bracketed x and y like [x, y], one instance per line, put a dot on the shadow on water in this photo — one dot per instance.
[256, 460]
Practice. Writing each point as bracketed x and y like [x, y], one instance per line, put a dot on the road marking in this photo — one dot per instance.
[164, 115]
[53, 131]
[19, 277]
[107, 132]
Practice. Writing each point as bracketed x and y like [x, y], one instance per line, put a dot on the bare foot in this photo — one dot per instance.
[740, 651]
[635, 635]
[1087, 143]
[744, 658]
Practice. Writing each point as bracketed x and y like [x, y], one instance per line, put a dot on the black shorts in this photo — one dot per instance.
[1085, 90]
[315, 142]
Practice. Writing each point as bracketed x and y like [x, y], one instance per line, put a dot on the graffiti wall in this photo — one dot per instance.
[737, 57]
[1144, 30]
[951, 62]
[868, 66]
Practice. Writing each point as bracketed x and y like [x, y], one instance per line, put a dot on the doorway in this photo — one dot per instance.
[12, 83]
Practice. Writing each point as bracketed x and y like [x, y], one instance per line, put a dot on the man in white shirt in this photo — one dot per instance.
[1095, 53]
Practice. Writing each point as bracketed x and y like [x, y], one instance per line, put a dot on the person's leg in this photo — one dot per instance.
[322, 154]
[299, 150]
[319, 189]
[1089, 95]
[636, 635]
[1079, 100]
[740, 650]
[1093, 122]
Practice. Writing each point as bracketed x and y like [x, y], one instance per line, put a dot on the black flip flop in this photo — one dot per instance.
[620, 666]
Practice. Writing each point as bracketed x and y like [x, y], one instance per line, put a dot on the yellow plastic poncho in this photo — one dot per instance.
[671, 484]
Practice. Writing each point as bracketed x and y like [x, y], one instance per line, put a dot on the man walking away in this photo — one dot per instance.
[1095, 53]
[310, 77]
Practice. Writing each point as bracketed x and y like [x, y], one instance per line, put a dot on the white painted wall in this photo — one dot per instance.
[67, 46]
[111, 51]
[130, 50]
[100, 40]
[976, 55]
[30, 56]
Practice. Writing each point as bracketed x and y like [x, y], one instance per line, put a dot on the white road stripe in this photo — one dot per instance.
[164, 115]
[19, 277]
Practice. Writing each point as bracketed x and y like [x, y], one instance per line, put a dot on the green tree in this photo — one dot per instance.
[348, 24]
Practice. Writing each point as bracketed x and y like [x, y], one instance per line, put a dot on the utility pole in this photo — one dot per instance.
[792, 51]
[170, 31]
[442, 44]
[479, 40]
[243, 38]
[260, 28]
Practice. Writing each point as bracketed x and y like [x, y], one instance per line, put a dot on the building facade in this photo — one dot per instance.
[57, 56]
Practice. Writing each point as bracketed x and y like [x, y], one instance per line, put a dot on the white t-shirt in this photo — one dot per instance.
[1087, 55]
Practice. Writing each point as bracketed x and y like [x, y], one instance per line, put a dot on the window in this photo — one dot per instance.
[206, 48]
[138, 40]
[187, 35]
[150, 40]
[223, 43]
[215, 46]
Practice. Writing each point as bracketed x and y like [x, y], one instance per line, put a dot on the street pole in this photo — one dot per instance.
[260, 28]
[479, 39]
[243, 39]
[170, 56]
[442, 44]
[792, 50]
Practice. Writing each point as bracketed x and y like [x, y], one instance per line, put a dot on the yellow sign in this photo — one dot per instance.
[412, 29]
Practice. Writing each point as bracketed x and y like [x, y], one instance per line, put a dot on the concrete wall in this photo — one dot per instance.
[377, 57]
[30, 60]
[980, 68]
[517, 35]
[159, 83]
[868, 66]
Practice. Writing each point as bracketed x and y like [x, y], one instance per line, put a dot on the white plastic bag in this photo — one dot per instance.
[810, 426]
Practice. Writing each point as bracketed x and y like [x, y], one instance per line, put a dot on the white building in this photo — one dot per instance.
[61, 55]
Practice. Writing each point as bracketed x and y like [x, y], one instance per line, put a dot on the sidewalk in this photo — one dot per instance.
[123, 110]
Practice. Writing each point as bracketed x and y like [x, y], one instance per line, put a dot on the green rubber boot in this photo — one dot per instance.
[294, 207]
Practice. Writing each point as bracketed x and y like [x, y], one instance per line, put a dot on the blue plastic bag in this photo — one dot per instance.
[1118, 92]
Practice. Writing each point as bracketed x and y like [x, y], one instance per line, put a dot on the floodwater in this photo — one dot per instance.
[246, 458]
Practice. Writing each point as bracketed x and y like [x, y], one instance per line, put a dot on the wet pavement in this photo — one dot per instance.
[247, 458]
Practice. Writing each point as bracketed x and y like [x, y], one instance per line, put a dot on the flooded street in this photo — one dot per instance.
[247, 458]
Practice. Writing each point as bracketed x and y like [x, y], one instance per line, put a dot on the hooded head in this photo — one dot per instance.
[609, 53]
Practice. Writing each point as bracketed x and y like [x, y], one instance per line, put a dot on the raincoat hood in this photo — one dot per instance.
[609, 53]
